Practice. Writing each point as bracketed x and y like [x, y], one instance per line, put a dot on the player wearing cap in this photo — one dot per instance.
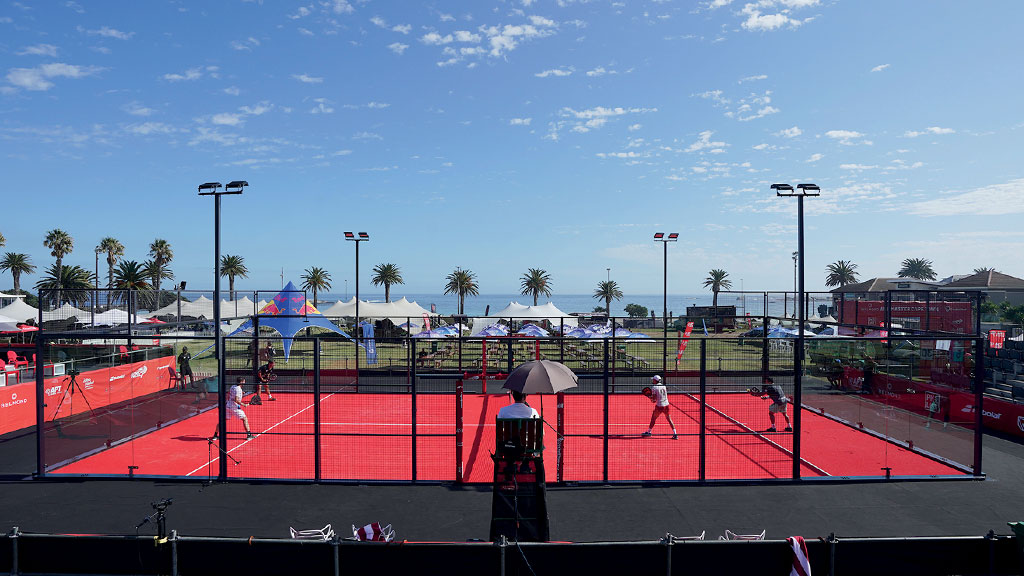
[659, 395]
[779, 403]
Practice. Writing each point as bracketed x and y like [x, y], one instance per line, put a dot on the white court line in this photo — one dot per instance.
[210, 462]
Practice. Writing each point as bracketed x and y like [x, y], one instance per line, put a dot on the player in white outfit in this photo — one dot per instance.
[659, 395]
[234, 408]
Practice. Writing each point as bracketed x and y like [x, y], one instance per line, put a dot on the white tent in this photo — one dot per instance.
[517, 311]
[112, 317]
[398, 311]
[66, 311]
[20, 311]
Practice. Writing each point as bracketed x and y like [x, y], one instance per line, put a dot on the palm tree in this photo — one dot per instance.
[114, 250]
[130, 275]
[232, 267]
[60, 244]
[316, 279]
[463, 283]
[536, 282]
[841, 273]
[917, 268]
[155, 273]
[608, 291]
[983, 270]
[385, 275]
[3, 241]
[75, 279]
[18, 264]
[161, 253]
[717, 280]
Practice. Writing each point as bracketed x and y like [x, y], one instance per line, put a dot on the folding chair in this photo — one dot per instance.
[685, 538]
[174, 379]
[729, 535]
[325, 533]
[373, 533]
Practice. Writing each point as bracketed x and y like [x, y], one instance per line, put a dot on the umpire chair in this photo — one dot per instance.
[519, 502]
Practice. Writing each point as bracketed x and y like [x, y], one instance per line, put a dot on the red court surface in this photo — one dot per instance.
[366, 436]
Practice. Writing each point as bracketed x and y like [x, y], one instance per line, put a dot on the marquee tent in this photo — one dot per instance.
[398, 311]
[19, 311]
[288, 313]
[517, 311]
[64, 312]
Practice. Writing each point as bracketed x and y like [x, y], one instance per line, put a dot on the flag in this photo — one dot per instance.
[426, 321]
[705, 326]
[433, 308]
[374, 533]
[883, 333]
[370, 344]
[683, 340]
[996, 339]
[801, 565]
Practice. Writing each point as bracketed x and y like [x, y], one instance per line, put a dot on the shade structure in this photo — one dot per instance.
[541, 377]
[533, 330]
[19, 311]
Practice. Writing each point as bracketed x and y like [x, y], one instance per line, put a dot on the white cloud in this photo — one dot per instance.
[790, 132]
[308, 79]
[232, 90]
[247, 44]
[635, 127]
[341, 7]
[366, 136]
[704, 143]
[847, 137]
[136, 109]
[815, 157]
[108, 32]
[714, 95]
[994, 200]
[558, 72]
[397, 47]
[402, 28]
[619, 155]
[600, 71]
[322, 107]
[75, 6]
[190, 74]
[147, 128]
[753, 78]
[341, 153]
[39, 50]
[38, 78]
[857, 167]
[880, 67]
[930, 130]
[764, 146]
[718, 3]
[520, 121]
[757, 20]
[302, 12]
[226, 119]
[257, 109]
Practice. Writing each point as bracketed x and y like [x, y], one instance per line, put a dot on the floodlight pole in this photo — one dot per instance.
[96, 292]
[798, 357]
[213, 189]
[665, 239]
[357, 238]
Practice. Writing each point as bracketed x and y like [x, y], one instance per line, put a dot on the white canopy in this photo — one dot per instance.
[20, 311]
[64, 312]
[398, 311]
[112, 317]
[518, 311]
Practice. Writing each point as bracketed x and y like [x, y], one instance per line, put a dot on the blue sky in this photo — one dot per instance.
[500, 136]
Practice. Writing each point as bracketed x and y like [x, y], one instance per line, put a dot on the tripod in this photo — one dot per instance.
[161, 517]
[72, 381]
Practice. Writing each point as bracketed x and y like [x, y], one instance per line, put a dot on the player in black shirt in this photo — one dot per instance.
[264, 376]
[778, 405]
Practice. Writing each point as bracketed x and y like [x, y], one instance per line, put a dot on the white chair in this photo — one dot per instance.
[729, 535]
[325, 533]
[684, 538]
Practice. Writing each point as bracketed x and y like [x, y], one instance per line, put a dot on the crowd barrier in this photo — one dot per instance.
[27, 553]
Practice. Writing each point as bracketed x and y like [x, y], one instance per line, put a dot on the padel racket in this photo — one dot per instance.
[647, 391]
[755, 391]
[271, 377]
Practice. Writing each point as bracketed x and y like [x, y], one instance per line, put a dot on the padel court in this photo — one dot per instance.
[370, 436]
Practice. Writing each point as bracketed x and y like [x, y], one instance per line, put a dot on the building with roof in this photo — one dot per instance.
[996, 286]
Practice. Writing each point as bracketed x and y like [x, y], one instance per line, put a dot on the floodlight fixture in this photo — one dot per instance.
[235, 187]
[209, 188]
[809, 189]
[783, 190]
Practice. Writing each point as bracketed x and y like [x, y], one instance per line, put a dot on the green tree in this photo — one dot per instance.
[152, 299]
[75, 280]
[536, 282]
[717, 280]
[3, 241]
[386, 275]
[841, 273]
[113, 248]
[636, 311]
[983, 269]
[161, 253]
[316, 279]
[233, 267]
[17, 264]
[462, 283]
[132, 276]
[608, 290]
[918, 269]
[60, 244]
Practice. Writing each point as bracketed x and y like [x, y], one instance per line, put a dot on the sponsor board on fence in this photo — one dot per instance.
[100, 387]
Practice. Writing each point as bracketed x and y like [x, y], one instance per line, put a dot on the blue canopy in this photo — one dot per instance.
[533, 330]
[288, 313]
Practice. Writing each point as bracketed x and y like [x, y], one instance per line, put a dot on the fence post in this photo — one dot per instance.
[413, 440]
[459, 389]
[979, 390]
[604, 449]
[174, 553]
[40, 399]
[560, 432]
[316, 410]
[14, 546]
[703, 435]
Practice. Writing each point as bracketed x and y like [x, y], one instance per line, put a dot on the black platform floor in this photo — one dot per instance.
[455, 513]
